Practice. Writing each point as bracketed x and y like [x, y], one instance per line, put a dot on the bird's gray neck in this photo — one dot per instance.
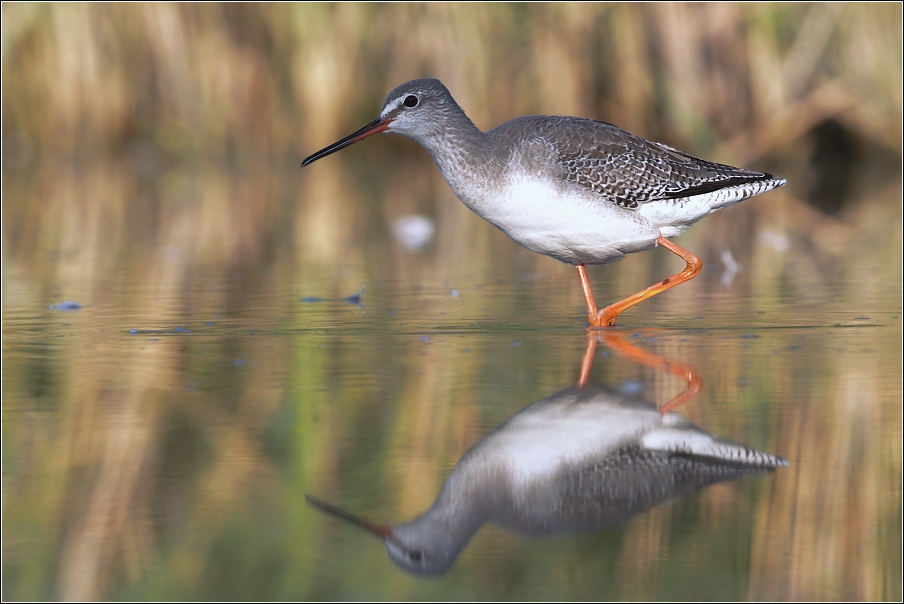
[465, 155]
[463, 501]
[457, 514]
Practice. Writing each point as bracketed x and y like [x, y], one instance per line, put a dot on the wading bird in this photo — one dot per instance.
[579, 190]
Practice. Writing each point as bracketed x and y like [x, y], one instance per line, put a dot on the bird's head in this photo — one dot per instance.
[420, 547]
[419, 109]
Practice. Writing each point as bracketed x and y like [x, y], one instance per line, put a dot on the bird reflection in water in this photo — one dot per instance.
[580, 460]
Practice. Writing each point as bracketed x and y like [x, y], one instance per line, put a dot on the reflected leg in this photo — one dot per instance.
[587, 362]
[657, 362]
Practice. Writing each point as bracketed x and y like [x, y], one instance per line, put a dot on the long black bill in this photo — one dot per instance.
[376, 126]
[383, 532]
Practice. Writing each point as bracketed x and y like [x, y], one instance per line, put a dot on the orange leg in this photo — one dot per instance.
[606, 317]
[588, 293]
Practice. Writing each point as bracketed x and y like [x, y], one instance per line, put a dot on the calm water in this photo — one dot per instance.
[158, 442]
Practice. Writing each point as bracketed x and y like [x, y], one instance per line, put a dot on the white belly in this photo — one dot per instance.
[566, 224]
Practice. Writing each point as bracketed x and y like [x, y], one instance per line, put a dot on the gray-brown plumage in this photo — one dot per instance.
[627, 482]
[578, 190]
[600, 159]
[626, 169]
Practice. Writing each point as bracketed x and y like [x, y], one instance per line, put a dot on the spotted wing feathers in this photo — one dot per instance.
[628, 170]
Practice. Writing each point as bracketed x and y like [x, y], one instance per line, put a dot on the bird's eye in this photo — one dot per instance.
[411, 101]
[415, 555]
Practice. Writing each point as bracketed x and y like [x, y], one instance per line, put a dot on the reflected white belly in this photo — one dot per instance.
[537, 445]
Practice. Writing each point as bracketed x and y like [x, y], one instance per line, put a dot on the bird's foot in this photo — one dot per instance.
[602, 319]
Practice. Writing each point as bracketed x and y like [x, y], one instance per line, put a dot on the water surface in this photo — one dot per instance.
[159, 440]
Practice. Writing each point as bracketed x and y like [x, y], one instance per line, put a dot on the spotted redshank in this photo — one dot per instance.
[579, 190]
[581, 460]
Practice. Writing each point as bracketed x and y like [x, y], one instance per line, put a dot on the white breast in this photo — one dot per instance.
[563, 221]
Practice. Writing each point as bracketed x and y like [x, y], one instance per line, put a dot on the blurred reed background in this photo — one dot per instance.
[150, 171]
[736, 81]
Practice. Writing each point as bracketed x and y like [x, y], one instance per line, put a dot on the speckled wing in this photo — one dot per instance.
[628, 170]
[632, 480]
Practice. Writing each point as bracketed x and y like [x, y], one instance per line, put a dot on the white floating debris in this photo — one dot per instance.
[413, 232]
[775, 240]
[731, 268]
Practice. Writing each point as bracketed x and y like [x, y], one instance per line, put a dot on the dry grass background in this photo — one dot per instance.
[278, 79]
